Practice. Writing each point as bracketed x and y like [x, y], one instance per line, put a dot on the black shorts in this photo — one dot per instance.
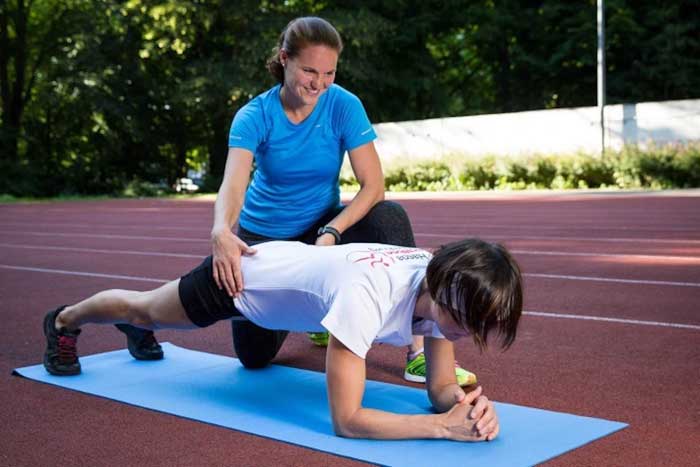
[204, 302]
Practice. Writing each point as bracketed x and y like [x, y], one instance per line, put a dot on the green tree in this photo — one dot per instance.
[96, 94]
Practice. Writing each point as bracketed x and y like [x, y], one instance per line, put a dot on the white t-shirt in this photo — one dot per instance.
[361, 293]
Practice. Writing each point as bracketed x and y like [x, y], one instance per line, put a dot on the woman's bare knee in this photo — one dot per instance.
[135, 309]
[159, 308]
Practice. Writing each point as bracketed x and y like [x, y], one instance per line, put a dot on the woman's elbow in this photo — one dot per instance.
[380, 194]
[377, 190]
[344, 429]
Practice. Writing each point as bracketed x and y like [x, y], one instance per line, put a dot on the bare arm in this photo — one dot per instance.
[368, 171]
[345, 374]
[444, 392]
[227, 248]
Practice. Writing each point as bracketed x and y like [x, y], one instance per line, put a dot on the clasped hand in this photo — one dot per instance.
[472, 418]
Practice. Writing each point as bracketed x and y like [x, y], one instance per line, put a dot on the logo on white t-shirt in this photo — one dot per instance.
[386, 256]
[373, 258]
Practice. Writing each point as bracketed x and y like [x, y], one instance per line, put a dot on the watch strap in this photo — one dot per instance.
[330, 230]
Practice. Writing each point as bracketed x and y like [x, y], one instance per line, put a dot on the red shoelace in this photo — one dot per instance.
[67, 352]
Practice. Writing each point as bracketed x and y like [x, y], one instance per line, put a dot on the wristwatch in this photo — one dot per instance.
[330, 230]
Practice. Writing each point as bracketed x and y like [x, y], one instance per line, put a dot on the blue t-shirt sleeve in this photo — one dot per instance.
[354, 125]
[248, 127]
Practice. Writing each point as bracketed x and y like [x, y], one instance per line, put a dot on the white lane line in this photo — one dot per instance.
[531, 313]
[180, 239]
[128, 237]
[609, 279]
[558, 237]
[103, 226]
[613, 320]
[507, 237]
[432, 225]
[86, 274]
[185, 255]
[575, 225]
[95, 250]
[603, 255]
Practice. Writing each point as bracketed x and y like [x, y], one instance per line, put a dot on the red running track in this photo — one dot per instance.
[612, 290]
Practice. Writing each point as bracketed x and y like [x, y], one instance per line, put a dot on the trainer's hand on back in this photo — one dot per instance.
[227, 249]
[472, 418]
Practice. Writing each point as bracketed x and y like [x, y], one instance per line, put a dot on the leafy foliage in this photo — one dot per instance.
[101, 96]
[671, 166]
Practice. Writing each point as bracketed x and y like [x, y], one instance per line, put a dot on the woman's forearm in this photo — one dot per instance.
[368, 171]
[229, 199]
[227, 208]
[377, 424]
[358, 208]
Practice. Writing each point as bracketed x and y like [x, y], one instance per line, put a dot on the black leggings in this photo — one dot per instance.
[386, 222]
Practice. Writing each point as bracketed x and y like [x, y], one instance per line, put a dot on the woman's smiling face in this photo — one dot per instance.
[309, 74]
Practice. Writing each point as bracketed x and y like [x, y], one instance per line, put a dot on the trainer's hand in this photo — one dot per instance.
[227, 249]
[325, 240]
[472, 418]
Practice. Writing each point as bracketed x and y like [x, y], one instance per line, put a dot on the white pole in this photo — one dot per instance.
[601, 73]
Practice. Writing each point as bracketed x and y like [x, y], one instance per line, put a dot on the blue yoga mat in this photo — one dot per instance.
[218, 390]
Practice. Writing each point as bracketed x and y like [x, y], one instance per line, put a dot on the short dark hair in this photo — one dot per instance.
[300, 33]
[480, 285]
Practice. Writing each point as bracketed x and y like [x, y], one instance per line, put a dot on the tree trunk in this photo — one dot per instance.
[12, 92]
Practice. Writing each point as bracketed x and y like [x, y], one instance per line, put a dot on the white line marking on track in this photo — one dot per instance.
[607, 279]
[516, 251]
[613, 320]
[95, 250]
[86, 274]
[530, 313]
[507, 237]
[102, 225]
[604, 255]
[128, 237]
[574, 226]
[432, 225]
[557, 237]
[185, 255]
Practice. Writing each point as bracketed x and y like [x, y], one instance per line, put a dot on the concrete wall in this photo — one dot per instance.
[541, 131]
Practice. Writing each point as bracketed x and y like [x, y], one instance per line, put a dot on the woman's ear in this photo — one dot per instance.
[283, 57]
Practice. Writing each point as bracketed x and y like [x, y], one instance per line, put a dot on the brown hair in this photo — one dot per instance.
[299, 33]
[480, 285]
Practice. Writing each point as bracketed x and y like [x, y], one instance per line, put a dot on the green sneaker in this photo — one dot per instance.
[464, 377]
[319, 338]
[415, 369]
[415, 372]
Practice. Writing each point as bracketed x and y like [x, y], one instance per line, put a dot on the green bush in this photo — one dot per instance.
[480, 175]
[421, 177]
[656, 167]
[140, 188]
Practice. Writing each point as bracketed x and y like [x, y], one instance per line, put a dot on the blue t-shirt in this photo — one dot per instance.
[297, 165]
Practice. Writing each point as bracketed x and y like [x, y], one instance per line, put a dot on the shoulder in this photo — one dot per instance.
[260, 104]
[345, 108]
[342, 96]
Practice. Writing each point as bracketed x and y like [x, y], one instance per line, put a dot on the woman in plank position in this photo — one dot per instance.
[361, 294]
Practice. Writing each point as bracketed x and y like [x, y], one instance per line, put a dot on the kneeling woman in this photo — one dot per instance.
[297, 133]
